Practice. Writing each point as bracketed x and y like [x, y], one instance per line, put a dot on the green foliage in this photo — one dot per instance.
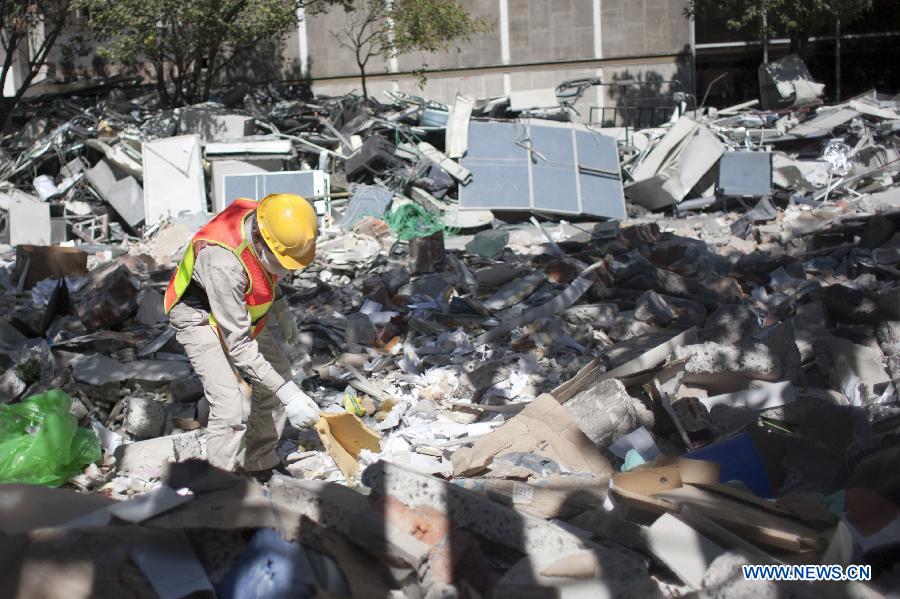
[431, 25]
[31, 24]
[392, 28]
[189, 42]
[793, 17]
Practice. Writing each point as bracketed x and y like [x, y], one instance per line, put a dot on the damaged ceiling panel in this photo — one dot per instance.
[256, 186]
[545, 166]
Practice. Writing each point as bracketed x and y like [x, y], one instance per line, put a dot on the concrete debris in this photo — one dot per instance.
[673, 381]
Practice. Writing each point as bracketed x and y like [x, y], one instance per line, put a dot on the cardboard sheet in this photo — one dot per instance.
[48, 261]
[343, 436]
[544, 428]
[692, 484]
[26, 507]
[684, 550]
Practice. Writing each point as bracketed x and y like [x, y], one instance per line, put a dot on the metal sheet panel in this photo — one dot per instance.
[544, 166]
[554, 177]
[599, 176]
[499, 168]
[745, 174]
[257, 186]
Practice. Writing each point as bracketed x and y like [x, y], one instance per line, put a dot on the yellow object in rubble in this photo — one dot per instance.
[344, 436]
[352, 405]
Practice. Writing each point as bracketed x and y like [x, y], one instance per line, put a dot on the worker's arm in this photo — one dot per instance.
[225, 281]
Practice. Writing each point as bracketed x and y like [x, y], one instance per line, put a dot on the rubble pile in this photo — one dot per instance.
[551, 358]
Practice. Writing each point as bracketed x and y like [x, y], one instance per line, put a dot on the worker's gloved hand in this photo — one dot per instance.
[285, 322]
[301, 410]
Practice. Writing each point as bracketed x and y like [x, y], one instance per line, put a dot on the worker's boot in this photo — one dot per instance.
[263, 476]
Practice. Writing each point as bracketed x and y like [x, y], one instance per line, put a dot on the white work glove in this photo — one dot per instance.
[286, 323]
[302, 411]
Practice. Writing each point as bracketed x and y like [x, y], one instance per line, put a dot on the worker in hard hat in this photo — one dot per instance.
[218, 301]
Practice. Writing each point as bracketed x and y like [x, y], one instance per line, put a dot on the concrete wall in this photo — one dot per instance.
[481, 50]
[640, 27]
[549, 41]
[560, 30]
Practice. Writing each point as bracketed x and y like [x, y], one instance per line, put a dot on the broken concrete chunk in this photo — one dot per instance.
[856, 371]
[606, 412]
[108, 299]
[150, 307]
[728, 367]
[144, 418]
[653, 309]
[596, 315]
[11, 386]
[624, 328]
[729, 324]
[498, 523]
[427, 254]
[186, 389]
[888, 333]
[670, 283]
[149, 459]
[397, 547]
[515, 291]
[855, 306]
[359, 330]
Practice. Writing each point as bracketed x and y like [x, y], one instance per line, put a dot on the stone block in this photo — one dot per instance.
[144, 418]
[186, 389]
[888, 334]
[149, 459]
[729, 324]
[653, 309]
[605, 412]
[854, 306]
[854, 370]
[108, 299]
[359, 330]
[427, 254]
[725, 368]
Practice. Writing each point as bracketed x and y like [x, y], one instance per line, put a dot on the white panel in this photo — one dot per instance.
[173, 178]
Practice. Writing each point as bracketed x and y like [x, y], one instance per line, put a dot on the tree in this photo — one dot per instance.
[28, 31]
[391, 28]
[189, 43]
[797, 19]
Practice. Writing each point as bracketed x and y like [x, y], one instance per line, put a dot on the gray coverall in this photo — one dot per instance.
[243, 428]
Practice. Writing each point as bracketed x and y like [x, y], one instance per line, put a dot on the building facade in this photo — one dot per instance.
[533, 44]
[645, 52]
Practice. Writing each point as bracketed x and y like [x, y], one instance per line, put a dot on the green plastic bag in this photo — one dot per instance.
[40, 442]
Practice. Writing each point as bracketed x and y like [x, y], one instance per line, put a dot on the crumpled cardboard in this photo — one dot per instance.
[343, 436]
[544, 428]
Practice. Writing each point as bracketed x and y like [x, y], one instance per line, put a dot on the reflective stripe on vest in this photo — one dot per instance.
[227, 231]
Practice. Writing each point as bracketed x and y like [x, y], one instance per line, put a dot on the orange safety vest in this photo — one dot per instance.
[226, 229]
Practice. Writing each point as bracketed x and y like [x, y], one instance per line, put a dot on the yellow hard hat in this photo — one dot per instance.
[288, 225]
